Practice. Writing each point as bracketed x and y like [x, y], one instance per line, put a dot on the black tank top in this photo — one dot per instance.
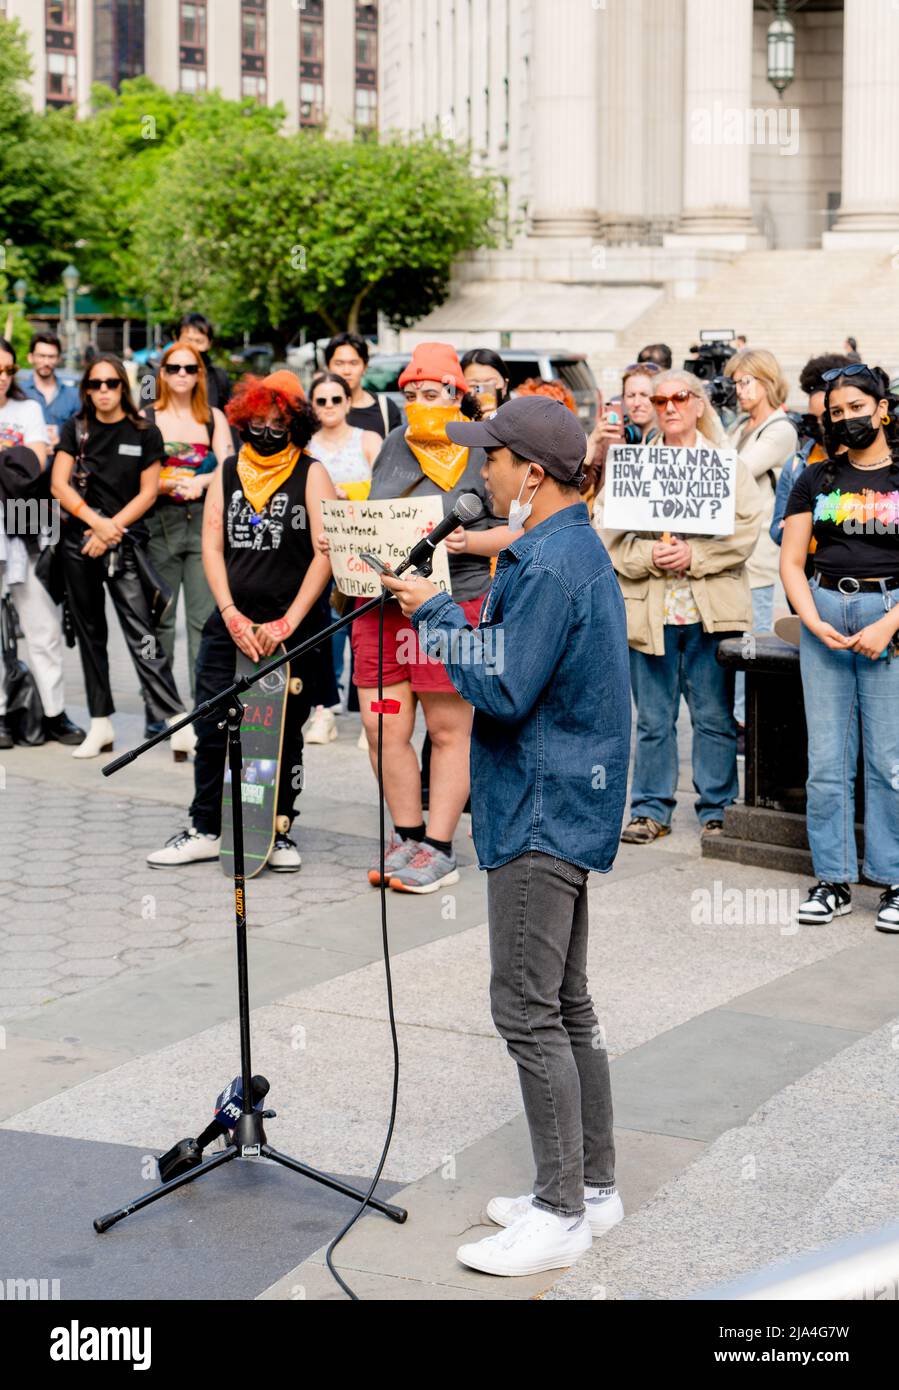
[267, 555]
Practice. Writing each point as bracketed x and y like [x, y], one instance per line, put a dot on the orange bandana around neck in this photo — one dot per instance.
[439, 458]
[260, 477]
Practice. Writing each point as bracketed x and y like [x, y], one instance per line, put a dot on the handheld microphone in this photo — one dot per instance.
[421, 557]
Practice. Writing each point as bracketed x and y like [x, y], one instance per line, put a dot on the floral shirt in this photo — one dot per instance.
[680, 607]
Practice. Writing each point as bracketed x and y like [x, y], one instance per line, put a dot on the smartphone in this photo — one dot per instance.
[613, 418]
[374, 563]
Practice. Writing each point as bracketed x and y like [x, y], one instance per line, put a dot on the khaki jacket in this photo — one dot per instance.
[717, 574]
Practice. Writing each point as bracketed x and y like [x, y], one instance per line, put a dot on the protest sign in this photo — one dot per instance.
[385, 529]
[660, 489]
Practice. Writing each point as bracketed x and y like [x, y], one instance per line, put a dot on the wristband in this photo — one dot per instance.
[80, 508]
[224, 610]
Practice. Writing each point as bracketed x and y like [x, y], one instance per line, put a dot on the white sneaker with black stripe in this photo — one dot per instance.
[189, 846]
[888, 915]
[285, 857]
[824, 902]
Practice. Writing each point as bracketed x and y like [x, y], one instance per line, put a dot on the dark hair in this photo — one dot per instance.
[470, 406]
[45, 336]
[331, 376]
[88, 411]
[252, 398]
[198, 321]
[853, 344]
[656, 352]
[875, 383]
[485, 357]
[811, 378]
[14, 391]
[352, 340]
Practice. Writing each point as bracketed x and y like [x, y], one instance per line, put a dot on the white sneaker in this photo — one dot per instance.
[98, 739]
[322, 727]
[602, 1212]
[187, 847]
[184, 742]
[537, 1241]
[362, 741]
[285, 857]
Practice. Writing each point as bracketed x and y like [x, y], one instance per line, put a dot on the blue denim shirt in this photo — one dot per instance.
[547, 672]
[65, 404]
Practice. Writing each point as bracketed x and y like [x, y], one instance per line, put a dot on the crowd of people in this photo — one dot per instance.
[193, 483]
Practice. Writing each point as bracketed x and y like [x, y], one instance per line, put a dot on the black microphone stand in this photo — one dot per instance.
[248, 1139]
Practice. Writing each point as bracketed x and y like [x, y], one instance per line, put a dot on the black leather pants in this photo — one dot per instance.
[86, 579]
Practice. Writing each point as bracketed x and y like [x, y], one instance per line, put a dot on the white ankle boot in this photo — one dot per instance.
[98, 740]
[184, 742]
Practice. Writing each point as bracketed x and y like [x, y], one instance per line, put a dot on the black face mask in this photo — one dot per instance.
[811, 426]
[268, 442]
[856, 434]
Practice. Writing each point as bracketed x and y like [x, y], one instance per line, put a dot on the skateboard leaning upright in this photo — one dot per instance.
[262, 735]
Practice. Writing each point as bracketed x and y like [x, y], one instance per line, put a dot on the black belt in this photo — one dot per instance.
[848, 586]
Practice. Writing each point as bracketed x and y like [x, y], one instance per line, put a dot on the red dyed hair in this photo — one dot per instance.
[252, 399]
[557, 390]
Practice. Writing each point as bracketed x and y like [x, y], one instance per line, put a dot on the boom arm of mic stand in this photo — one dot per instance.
[218, 702]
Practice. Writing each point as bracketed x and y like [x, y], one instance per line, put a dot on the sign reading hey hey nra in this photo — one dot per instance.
[657, 488]
[385, 529]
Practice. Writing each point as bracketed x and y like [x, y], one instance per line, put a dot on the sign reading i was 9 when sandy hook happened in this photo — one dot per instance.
[385, 529]
[657, 488]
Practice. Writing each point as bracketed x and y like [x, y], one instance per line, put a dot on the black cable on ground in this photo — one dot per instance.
[386, 947]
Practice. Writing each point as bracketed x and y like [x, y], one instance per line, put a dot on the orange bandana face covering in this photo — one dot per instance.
[260, 477]
[439, 458]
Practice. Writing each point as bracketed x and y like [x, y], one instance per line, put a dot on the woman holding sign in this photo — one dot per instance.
[262, 510]
[849, 649]
[683, 597]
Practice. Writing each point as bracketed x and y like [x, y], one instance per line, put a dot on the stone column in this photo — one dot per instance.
[663, 152]
[870, 209]
[566, 81]
[718, 125]
[623, 125]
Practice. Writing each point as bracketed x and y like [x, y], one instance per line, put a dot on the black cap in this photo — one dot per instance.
[536, 428]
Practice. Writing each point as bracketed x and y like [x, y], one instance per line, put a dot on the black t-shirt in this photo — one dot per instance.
[369, 417]
[267, 554]
[855, 523]
[115, 456]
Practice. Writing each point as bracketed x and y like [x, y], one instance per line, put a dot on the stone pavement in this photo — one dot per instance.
[754, 1067]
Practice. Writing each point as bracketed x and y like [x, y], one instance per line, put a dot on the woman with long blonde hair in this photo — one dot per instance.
[197, 438]
[683, 596]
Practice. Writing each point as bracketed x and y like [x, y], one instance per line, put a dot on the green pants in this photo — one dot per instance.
[176, 532]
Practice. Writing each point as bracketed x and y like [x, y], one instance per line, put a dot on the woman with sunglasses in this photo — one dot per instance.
[683, 597]
[630, 421]
[488, 378]
[118, 456]
[196, 438]
[266, 577]
[849, 653]
[348, 453]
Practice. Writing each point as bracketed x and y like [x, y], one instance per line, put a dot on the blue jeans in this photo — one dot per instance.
[689, 668]
[848, 697]
[762, 621]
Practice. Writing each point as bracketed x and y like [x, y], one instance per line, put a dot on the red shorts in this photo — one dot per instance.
[403, 658]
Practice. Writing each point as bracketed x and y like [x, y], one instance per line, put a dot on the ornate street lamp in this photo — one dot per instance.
[20, 290]
[71, 278]
[781, 49]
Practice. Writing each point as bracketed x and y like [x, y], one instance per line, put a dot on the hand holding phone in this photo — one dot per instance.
[374, 563]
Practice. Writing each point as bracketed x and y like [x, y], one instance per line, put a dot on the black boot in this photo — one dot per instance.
[60, 729]
[6, 738]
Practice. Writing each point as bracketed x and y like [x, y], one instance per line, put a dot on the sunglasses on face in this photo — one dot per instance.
[8, 371]
[328, 400]
[97, 384]
[266, 431]
[679, 398]
[172, 369]
[650, 368]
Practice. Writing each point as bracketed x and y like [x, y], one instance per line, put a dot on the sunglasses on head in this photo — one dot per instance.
[679, 398]
[111, 383]
[651, 368]
[328, 400]
[172, 369]
[854, 369]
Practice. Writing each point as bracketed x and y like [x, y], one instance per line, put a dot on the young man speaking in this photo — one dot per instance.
[547, 674]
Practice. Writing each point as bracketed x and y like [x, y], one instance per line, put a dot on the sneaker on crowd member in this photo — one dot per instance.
[285, 857]
[428, 870]
[397, 853]
[539, 1240]
[188, 846]
[603, 1208]
[322, 727]
[824, 902]
[642, 830]
[888, 914]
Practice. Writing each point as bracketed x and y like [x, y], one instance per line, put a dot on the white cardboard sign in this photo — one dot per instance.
[386, 529]
[685, 491]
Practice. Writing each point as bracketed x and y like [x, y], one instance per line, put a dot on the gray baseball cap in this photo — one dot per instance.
[536, 428]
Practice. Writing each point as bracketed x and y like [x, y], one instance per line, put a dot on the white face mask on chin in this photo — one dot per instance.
[520, 511]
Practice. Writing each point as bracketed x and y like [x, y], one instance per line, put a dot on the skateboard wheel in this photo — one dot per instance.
[296, 685]
[282, 824]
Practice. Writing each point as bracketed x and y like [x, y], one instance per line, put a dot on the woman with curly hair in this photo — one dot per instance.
[849, 505]
[262, 510]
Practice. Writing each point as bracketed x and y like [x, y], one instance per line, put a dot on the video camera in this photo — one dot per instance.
[710, 357]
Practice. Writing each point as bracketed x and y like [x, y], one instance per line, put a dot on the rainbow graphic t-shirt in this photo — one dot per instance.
[855, 520]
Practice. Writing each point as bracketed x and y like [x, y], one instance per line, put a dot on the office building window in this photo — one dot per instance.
[252, 49]
[312, 103]
[312, 63]
[118, 41]
[62, 61]
[61, 74]
[193, 23]
[192, 45]
[61, 14]
[366, 66]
